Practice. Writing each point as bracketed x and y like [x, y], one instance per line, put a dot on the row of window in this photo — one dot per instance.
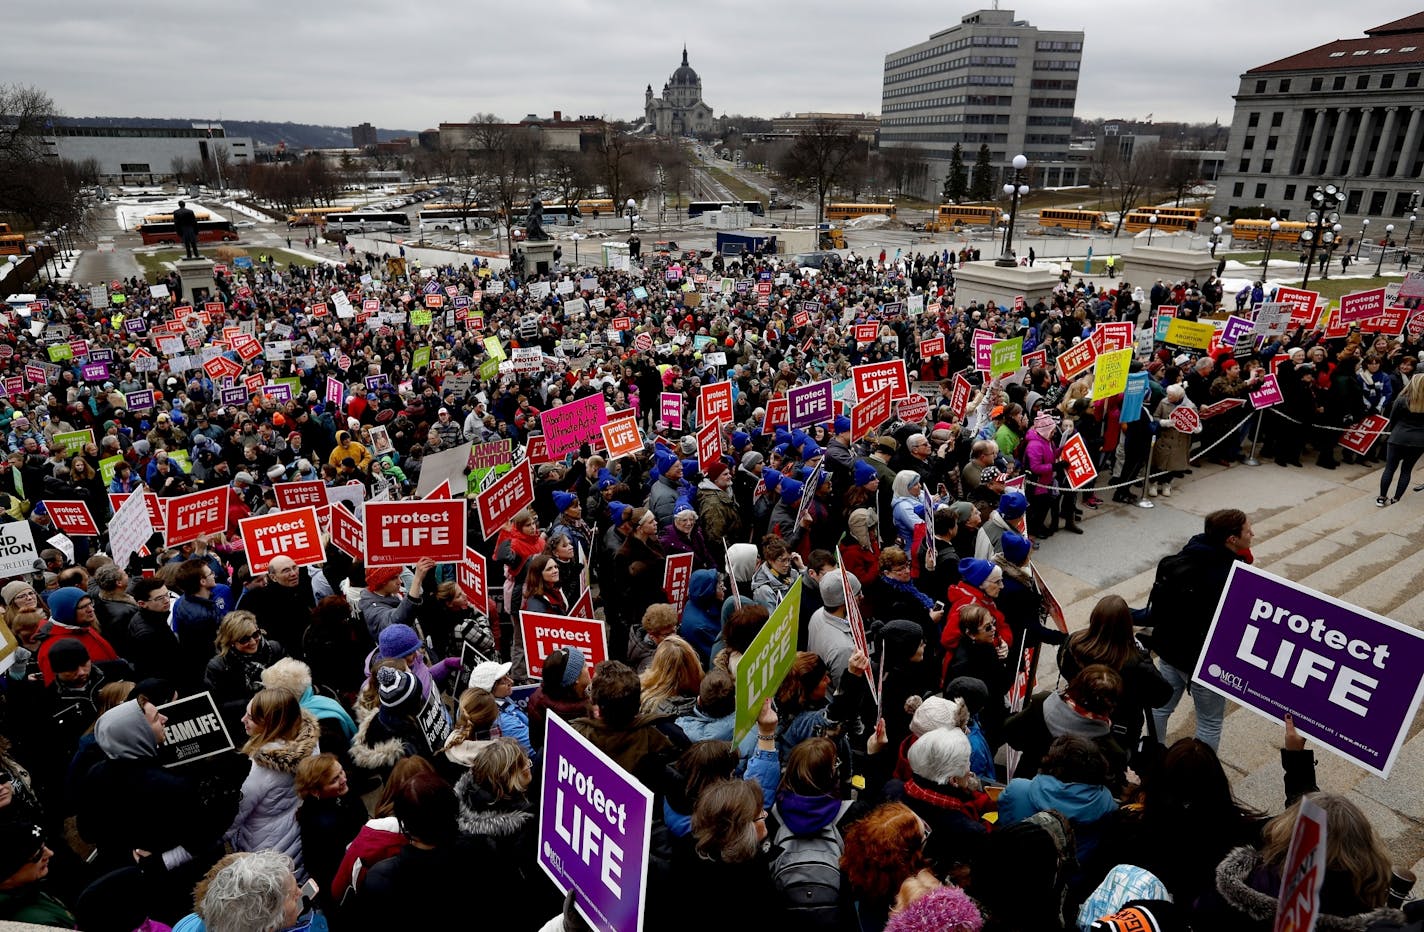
[954, 64]
[956, 45]
[1354, 200]
[136, 132]
[1271, 141]
[991, 119]
[956, 100]
[1055, 64]
[970, 80]
[1046, 139]
[1337, 83]
[1052, 103]
[947, 137]
[1053, 84]
[134, 167]
[1049, 45]
[1039, 120]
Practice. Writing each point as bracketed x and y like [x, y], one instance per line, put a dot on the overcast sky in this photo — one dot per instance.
[412, 65]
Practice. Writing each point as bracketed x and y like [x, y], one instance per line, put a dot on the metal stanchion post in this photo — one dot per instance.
[1144, 501]
[1255, 436]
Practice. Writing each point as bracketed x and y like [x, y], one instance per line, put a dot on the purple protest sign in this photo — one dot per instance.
[235, 396]
[278, 392]
[1235, 327]
[1349, 677]
[568, 426]
[812, 404]
[670, 409]
[94, 371]
[101, 355]
[595, 823]
[1268, 394]
[138, 401]
[135, 325]
[335, 392]
[374, 382]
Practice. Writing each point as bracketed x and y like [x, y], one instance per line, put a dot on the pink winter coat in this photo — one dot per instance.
[1039, 456]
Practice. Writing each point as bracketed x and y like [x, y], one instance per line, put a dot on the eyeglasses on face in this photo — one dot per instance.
[249, 637]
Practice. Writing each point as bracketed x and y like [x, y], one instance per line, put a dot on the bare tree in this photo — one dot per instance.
[820, 158]
[32, 184]
[568, 172]
[498, 154]
[1129, 175]
[624, 166]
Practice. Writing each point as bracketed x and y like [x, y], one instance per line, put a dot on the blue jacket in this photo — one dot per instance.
[701, 617]
[1080, 802]
[514, 723]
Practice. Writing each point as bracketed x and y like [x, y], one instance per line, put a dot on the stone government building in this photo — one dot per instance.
[681, 110]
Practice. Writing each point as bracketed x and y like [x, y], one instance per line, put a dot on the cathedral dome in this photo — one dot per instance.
[684, 75]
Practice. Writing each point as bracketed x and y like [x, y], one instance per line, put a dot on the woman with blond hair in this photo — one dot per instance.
[1406, 440]
[476, 726]
[672, 681]
[496, 812]
[244, 653]
[279, 737]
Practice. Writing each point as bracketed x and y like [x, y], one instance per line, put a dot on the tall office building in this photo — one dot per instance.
[990, 79]
[1350, 112]
[363, 136]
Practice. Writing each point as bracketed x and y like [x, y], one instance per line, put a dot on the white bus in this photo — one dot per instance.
[455, 217]
[357, 222]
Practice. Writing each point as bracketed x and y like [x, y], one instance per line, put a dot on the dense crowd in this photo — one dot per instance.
[388, 740]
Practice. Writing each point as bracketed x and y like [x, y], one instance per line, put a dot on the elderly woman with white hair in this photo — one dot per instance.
[908, 508]
[1173, 448]
[249, 892]
[944, 792]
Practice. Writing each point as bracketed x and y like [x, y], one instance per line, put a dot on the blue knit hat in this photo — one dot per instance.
[1016, 547]
[841, 424]
[606, 480]
[864, 473]
[398, 641]
[791, 491]
[771, 479]
[1012, 504]
[62, 603]
[740, 439]
[573, 668]
[562, 500]
[617, 510]
[663, 459]
[975, 571]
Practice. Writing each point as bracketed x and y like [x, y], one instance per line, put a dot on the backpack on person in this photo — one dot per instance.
[807, 874]
[1174, 592]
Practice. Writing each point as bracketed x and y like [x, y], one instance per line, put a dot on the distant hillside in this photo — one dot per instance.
[295, 135]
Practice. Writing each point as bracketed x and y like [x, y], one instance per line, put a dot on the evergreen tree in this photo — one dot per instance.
[956, 183]
[982, 188]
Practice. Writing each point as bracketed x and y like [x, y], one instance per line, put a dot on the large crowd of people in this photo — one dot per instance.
[387, 744]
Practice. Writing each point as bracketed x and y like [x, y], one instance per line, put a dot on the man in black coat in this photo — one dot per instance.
[185, 223]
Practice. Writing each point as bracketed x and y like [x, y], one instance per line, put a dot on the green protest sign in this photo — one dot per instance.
[767, 661]
[489, 368]
[1006, 356]
[420, 318]
[73, 441]
[421, 357]
[58, 352]
[107, 467]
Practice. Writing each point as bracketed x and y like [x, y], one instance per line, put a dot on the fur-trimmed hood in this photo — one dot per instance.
[383, 755]
[1234, 882]
[479, 815]
[284, 756]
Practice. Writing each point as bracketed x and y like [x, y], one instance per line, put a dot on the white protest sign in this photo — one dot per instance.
[17, 549]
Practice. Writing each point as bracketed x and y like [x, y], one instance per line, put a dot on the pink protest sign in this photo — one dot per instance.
[1268, 394]
[571, 425]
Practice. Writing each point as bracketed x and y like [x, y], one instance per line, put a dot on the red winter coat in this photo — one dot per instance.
[961, 594]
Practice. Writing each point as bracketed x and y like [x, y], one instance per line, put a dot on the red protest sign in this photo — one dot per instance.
[583, 608]
[1221, 407]
[295, 534]
[866, 333]
[1185, 420]
[1076, 360]
[931, 347]
[622, 323]
[1390, 323]
[1038, 359]
[472, 576]
[1303, 875]
[248, 348]
[544, 634]
[192, 516]
[151, 502]
[535, 451]
[1302, 303]
[441, 491]
[1080, 462]
[869, 413]
[434, 301]
[400, 533]
[320, 309]
[959, 396]
[677, 576]
[347, 533]
[214, 307]
[871, 377]
[714, 403]
[1363, 435]
[643, 342]
[778, 414]
[801, 318]
[913, 408]
[503, 500]
[1116, 335]
[1362, 305]
[254, 383]
[709, 445]
[72, 518]
[621, 437]
[220, 366]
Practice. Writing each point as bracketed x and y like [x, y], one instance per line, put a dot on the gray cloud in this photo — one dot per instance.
[416, 64]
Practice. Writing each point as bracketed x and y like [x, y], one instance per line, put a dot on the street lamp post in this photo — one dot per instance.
[1151, 228]
[1410, 230]
[1215, 236]
[1323, 223]
[1364, 231]
[631, 205]
[1388, 229]
[1016, 189]
[1270, 242]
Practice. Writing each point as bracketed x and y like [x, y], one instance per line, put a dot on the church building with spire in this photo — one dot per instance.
[680, 111]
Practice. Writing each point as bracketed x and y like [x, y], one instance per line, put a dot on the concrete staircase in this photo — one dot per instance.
[1314, 526]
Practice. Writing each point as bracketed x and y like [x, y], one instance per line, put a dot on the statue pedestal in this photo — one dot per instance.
[538, 257]
[199, 285]
[1143, 265]
[988, 283]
